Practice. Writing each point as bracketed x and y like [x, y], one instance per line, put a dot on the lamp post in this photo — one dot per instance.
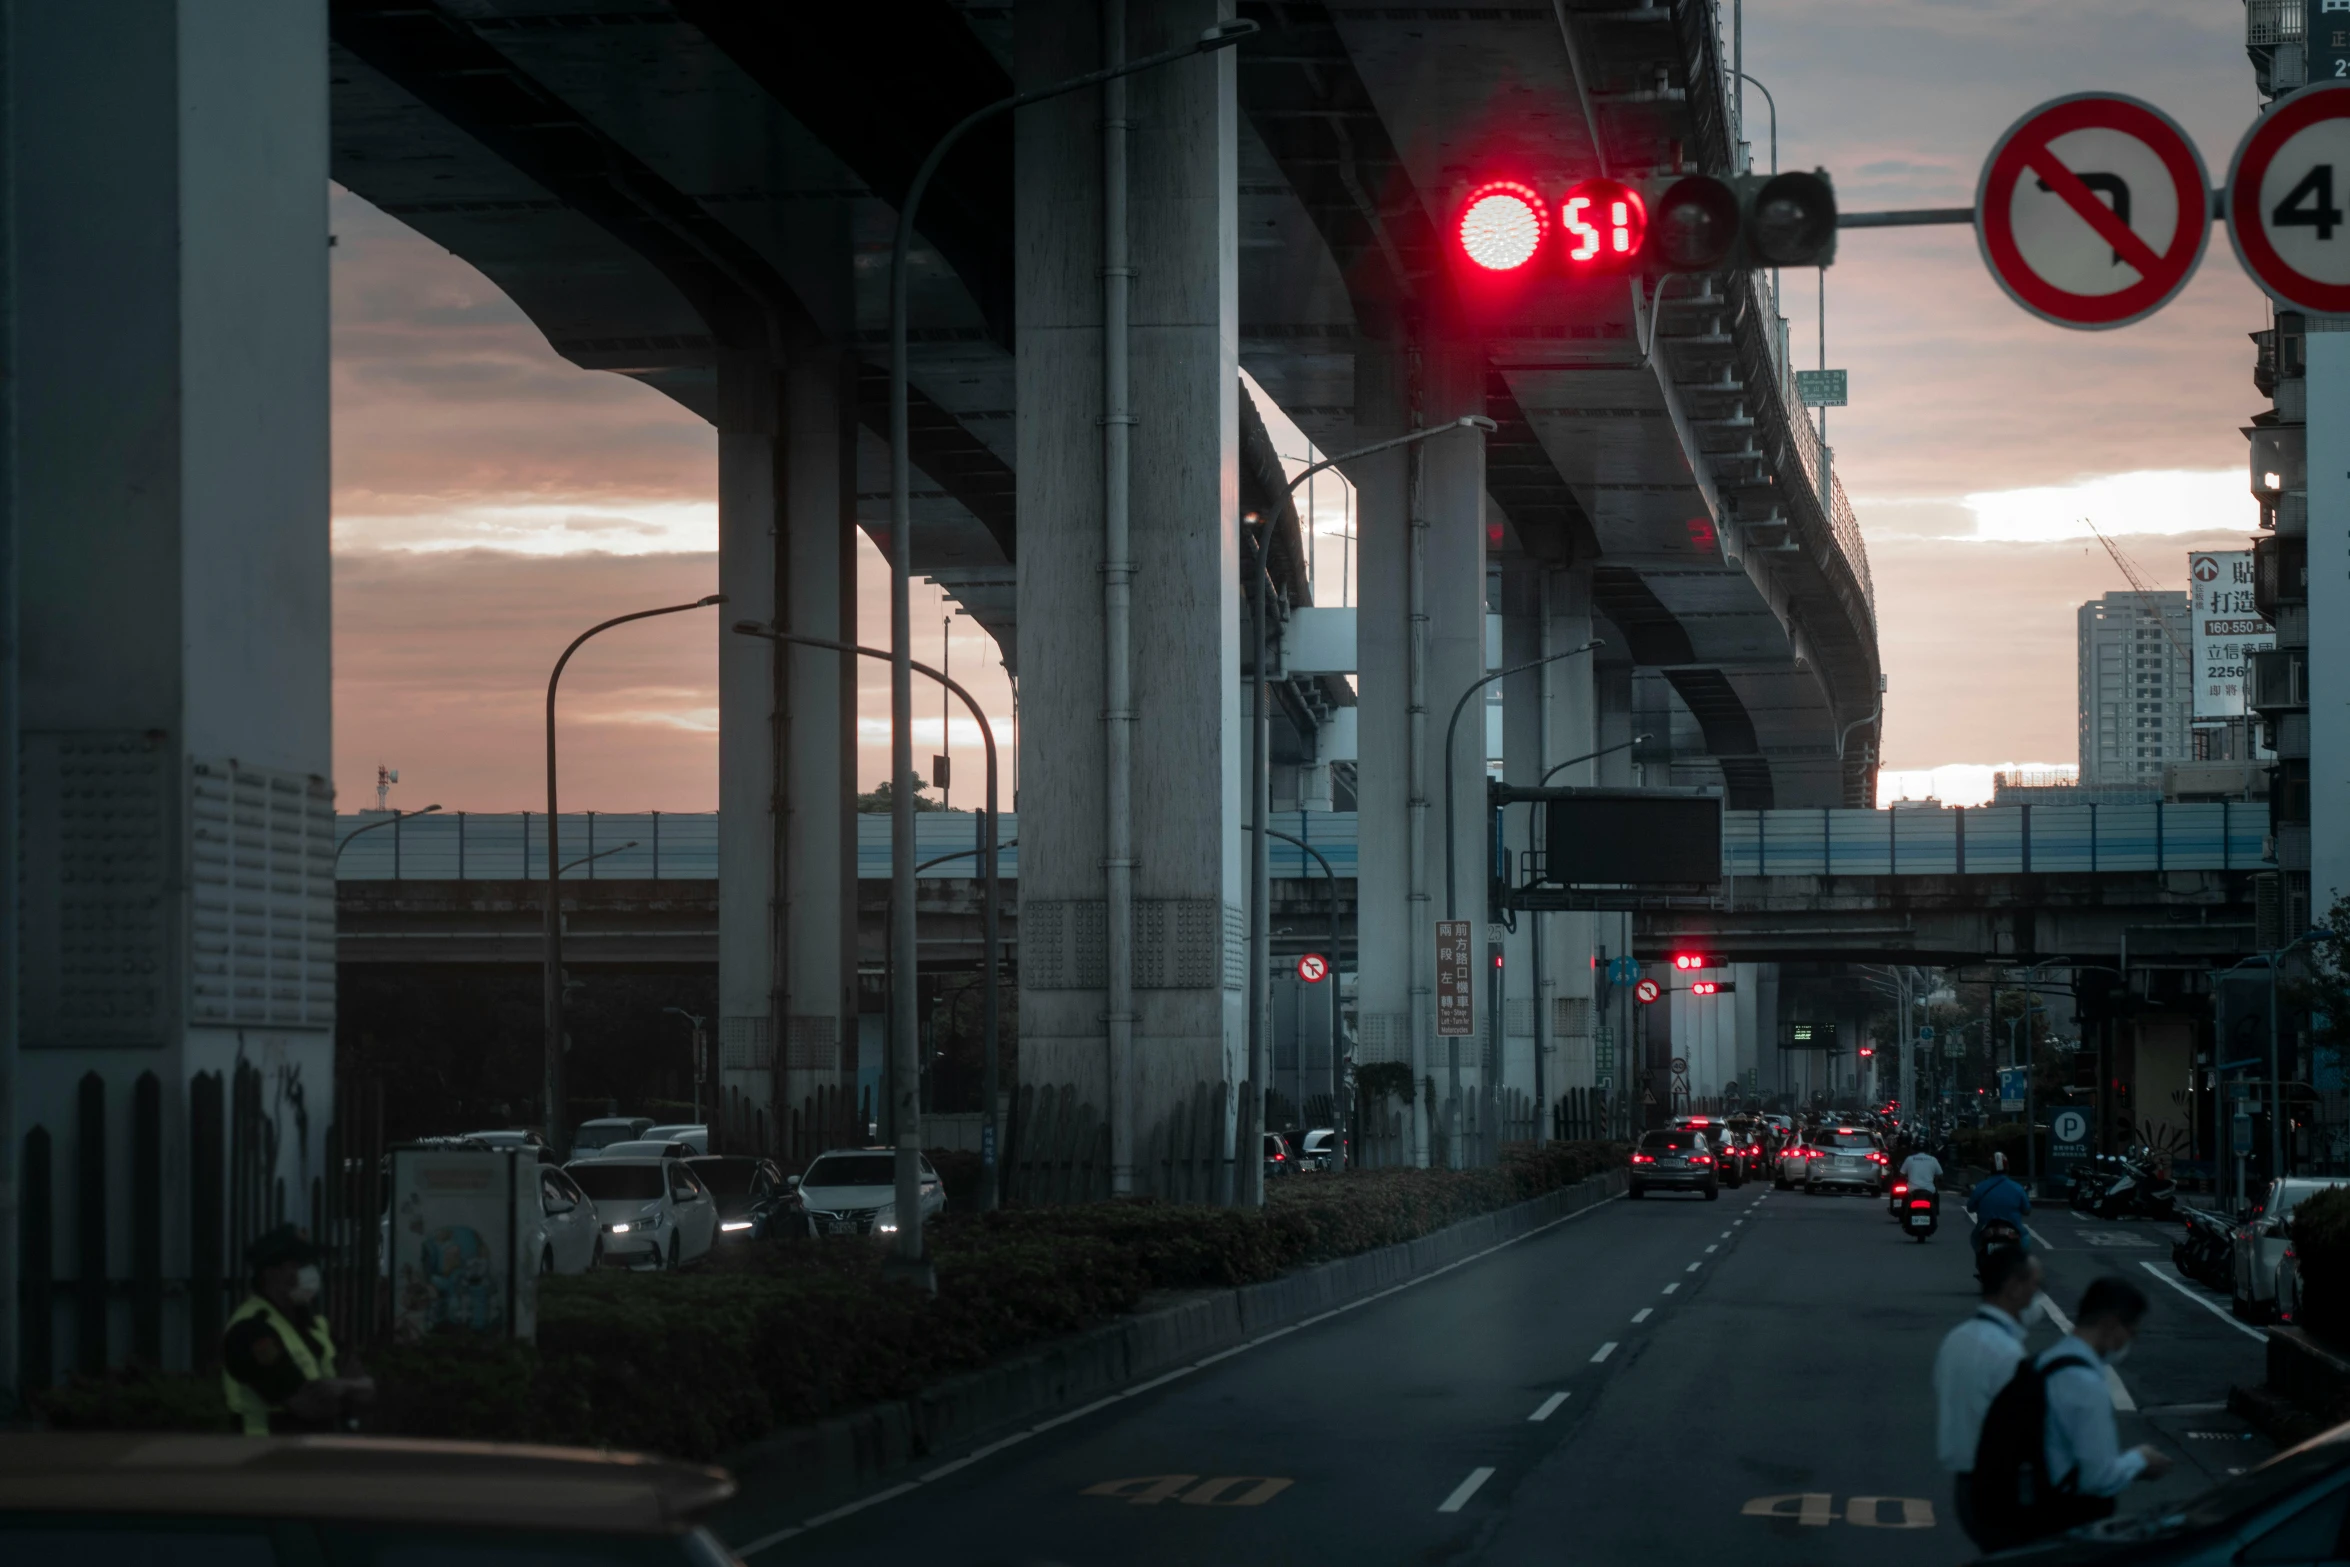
[1452, 727]
[600, 854]
[556, 1137]
[904, 1048]
[390, 821]
[696, 1020]
[905, 1061]
[1337, 1064]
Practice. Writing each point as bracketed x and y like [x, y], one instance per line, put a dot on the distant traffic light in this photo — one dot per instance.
[1682, 223]
[1690, 962]
[1867, 1051]
[1704, 987]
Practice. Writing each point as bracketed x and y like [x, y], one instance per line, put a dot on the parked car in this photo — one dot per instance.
[1278, 1160]
[749, 1192]
[2261, 1241]
[103, 1496]
[652, 1212]
[607, 1130]
[1675, 1159]
[853, 1191]
[692, 1133]
[570, 1236]
[513, 1137]
[1320, 1151]
[641, 1148]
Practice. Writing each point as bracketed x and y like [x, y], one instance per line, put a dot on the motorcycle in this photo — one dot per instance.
[1994, 1232]
[2206, 1253]
[1921, 1214]
[1893, 1199]
[2140, 1186]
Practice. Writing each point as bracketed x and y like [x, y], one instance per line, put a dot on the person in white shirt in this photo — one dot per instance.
[1921, 1170]
[1976, 1360]
[2082, 1439]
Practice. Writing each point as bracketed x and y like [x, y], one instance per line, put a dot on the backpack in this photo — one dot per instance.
[2014, 1499]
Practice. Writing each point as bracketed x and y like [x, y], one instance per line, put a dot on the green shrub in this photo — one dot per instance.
[2320, 1227]
[759, 1337]
[1971, 1147]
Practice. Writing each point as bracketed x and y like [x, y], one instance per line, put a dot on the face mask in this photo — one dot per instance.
[307, 1284]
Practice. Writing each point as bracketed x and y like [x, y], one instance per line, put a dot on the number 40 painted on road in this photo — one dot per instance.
[1818, 1510]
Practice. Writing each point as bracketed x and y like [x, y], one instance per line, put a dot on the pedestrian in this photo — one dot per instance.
[278, 1367]
[2050, 1457]
[1977, 1359]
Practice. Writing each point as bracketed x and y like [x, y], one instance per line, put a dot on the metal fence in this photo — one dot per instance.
[1996, 840]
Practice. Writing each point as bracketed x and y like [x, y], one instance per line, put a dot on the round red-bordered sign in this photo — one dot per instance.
[2093, 210]
[1312, 968]
[1648, 990]
[2286, 168]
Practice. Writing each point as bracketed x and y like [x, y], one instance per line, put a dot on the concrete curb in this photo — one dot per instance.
[821, 1465]
[2308, 1388]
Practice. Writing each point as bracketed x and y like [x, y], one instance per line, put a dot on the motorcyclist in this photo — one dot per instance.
[1999, 1197]
[1921, 1170]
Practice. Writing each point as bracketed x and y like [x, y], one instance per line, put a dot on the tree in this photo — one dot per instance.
[878, 801]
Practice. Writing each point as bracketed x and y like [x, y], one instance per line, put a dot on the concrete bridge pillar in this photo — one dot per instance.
[1525, 635]
[1188, 936]
[786, 903]
[167, 262]
[1568, 1001]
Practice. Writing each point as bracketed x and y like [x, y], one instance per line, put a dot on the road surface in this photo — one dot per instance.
[1651, 1377]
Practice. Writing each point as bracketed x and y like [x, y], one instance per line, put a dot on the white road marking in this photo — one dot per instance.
[2168, 1277]
[765, 1541]
[1605, 1350]
[1466, 1489]
[1710, 1250]
[1734, 1222]
[1548, 1407]
[1726, 1233]
[1643, 1314]
[1676, 1284]
[2113, 1379]
[1693, 1267]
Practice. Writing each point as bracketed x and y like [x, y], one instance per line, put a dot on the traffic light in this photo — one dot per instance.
[1867, 1051]
[1690, 962]
[1681, 223]
[1704, 987]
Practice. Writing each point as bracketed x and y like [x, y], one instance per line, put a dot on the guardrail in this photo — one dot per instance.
[1996, 840]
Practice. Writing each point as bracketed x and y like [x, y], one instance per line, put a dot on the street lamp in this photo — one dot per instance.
[1593, 756]
[556, 1138]
[1452, 727]
[696, 1020]
[905, 1059]
[600, 854]
[390, 821]
[904, 1049]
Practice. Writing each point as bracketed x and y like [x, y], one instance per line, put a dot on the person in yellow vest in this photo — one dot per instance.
[278, 1367]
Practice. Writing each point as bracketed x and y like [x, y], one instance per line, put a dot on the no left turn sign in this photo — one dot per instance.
[2093, 210]
[2286, 185]
[1648, 990]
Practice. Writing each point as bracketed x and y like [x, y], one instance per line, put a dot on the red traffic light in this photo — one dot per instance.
[1704, 987]
[1689, 962]
[1502, 226]
[1866, 1051]
[1605, 223]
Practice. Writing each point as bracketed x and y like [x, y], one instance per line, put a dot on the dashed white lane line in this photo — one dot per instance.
[1693, 1267]
[1548, 1407]
[1710, 1250]
[1734, 1223]
[1643, 1314]
[2113, 1379]
[765, 1541]
[1676, 1284]
[2244, 1328]
[1604, 1351]
[1466, 1489]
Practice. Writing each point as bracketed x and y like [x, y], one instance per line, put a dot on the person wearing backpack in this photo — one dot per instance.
[2050, 1457]
[1976, 1360]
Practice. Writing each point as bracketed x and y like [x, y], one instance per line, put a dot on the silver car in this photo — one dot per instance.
[853, 1191]
[2261, 1241]
[1844, 1156]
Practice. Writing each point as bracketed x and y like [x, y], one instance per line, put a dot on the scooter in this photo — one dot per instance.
[1990, 1233]
[1894, 1196]
[1921, 1214]
[2207, 1252]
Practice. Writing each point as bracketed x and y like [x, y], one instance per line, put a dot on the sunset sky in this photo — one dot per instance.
[492, 500]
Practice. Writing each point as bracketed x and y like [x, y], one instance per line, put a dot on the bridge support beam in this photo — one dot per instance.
[1188, 1019]
[1569, 729]
[169, 452]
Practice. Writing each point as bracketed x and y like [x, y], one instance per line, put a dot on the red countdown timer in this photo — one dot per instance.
[1603, 224]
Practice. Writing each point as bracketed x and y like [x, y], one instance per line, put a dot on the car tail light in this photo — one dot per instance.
[1641, 1158]
[1701, 1159]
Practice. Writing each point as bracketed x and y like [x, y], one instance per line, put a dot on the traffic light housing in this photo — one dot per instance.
[1509, 231]
[1713, 987]
[1691, 962]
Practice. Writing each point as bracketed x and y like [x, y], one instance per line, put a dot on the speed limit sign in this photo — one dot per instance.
[2286, 189]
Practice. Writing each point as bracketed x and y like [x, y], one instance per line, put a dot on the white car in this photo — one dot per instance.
[853, 1191]
[2261, 1241]
[511, 1137]
[638, 1148]
[692, 1133]
[606, 1130]
[1320, 1150]
[567, 1238]
[649, 1212]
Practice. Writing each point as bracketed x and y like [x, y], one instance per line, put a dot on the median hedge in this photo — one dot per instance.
[698, 1362]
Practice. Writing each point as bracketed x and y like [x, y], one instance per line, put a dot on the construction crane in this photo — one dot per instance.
[2138, 584]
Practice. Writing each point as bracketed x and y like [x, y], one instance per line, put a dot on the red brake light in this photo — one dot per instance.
[1921, 1202]
[1502, 226]
[1641, 1158]
[1701, 1159]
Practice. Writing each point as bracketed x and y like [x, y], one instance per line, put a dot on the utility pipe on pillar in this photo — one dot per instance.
[1249, 1164]
[1117, 610]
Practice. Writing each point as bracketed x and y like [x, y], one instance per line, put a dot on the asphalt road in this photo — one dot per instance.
[1642, 1381]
